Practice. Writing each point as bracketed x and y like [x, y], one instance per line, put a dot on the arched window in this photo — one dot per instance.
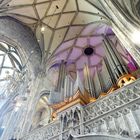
[10, 66]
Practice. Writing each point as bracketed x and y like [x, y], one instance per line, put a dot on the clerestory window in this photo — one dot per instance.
[10, 65]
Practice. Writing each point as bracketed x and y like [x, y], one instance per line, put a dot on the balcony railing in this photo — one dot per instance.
[115, 114]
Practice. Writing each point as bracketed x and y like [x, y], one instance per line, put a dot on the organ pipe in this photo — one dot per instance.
[119, 61]
[68, 87]
[78, 84]
[110, 60]
[106, 76]
[72, 88]
[100, 81]
[61, 77]
[108, 68]
[112, 56]
[97, 84]
[88, 81]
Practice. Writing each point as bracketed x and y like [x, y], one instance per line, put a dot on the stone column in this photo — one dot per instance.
[124, 26]
[30, 105]
[9, 129]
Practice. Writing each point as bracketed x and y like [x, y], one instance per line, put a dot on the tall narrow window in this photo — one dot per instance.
[10, 66]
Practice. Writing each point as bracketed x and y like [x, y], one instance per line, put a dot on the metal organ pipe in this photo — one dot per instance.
[61, 77]
[116, 58]
[88, 82]
[68, 87]
[71, 89]
[109, 70]
[100, 81]
[68, 91]
[65, 87]
[113, 54]
[97, 84]
[63, 73]
[106, 76]
[62, 94]
[78, 84]
[110, 60]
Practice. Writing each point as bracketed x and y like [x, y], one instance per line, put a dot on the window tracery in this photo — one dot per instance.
[10, 68]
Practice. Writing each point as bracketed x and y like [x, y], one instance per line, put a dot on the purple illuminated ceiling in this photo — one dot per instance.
[73, 51]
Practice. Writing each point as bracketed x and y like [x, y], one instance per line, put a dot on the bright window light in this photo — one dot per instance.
[42, 29]
[136, 37]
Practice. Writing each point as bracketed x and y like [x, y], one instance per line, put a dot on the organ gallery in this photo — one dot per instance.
[69, 70]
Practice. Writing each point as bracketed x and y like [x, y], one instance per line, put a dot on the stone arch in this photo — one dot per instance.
[42, 114]
[20, 36]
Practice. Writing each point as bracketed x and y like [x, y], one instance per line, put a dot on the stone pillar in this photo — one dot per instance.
[31, 105]
[9, 129]
[123, 25]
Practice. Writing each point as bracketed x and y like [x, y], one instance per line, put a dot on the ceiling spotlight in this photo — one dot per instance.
[42, 29]
[136, 37]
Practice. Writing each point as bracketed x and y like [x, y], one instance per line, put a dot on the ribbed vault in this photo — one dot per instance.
[60, 25]
[61, 20]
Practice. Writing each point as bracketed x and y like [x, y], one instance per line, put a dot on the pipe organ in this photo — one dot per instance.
[113, 74]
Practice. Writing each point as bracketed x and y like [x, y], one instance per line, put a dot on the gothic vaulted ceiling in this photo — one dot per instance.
[58, 21]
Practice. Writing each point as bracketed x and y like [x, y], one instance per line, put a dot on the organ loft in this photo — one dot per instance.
[69, 70]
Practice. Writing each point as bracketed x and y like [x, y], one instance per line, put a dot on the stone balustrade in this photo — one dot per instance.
[50, 131]
[116, 114]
